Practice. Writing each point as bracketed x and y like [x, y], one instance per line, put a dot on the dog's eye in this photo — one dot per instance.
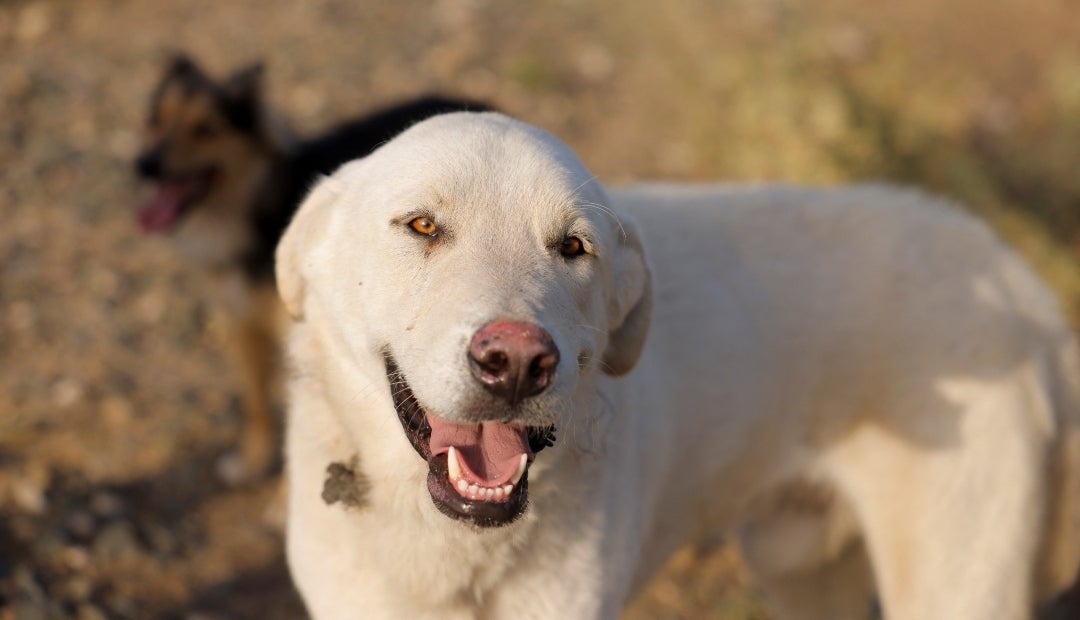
[424, 226]
[572, 247]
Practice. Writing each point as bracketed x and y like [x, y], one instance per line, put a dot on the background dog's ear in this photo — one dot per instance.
[243, 97]
[181, 65]
[631, 304]
[307, 226]
[246, 82]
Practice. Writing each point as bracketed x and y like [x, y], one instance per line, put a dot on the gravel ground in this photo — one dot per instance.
[115, 399]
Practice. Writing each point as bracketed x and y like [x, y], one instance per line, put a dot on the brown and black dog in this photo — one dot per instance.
[227, 175]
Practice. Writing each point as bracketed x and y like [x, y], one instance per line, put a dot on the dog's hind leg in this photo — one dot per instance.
[804, 552]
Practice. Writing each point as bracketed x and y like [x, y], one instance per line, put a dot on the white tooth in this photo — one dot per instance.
[452, 464]
[462, 484]
[498, 493]
[520, 470]
[473, 489]
[507, 489]
[489, 493]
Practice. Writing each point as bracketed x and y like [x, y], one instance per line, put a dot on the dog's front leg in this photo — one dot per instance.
[254, 349]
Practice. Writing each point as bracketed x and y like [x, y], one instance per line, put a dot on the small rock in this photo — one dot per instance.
[80, 524]
[49, 544]
[34, 21]
[117, 412]
[230, 469]
[107, 505]
[67, 391]
[104, 282]
[30, 600]
[28, 495]
[151, 306]
[78, 589]
[161, 540]
[115, 542]
[595, 64]
[76, 558]
[123, 144]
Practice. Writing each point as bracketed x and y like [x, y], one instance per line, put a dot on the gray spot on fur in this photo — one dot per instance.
[346, 484]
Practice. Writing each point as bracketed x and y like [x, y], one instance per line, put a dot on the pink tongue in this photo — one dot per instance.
[160, 212]
[491, 450]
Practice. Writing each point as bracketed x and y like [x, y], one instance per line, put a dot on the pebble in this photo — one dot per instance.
[595, 64]
[67, 391]
[117, 412]
[161, 540]
[80, 524]
[34, 21]
[78, 588]
[116, 541]
[28, 495]
[76, 558]
[106, 505]
[32, 601]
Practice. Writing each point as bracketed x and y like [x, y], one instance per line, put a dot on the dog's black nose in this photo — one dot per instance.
[512, 359]
[148, 164]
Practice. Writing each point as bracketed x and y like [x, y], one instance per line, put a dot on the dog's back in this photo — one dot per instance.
[911, 366]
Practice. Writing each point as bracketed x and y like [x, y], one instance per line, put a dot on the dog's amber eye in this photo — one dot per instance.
[572, 247]
[424, 226]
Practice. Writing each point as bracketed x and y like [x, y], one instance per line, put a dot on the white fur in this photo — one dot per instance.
[843, 378]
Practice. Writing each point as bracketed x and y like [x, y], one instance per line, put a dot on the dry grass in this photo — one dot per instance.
[114, 398]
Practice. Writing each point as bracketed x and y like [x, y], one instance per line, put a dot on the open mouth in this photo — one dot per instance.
[171, 198]
[476, 472]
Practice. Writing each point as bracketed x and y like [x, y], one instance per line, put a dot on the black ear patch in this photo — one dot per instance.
[345, 483]
[240, 97]
[182, 65]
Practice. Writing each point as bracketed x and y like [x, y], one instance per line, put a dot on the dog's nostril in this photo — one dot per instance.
[543, 364]
[495, 361]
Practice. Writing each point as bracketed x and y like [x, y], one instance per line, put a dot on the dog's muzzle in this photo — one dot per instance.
[476, 472]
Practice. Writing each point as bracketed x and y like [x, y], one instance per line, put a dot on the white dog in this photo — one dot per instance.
[865, 386]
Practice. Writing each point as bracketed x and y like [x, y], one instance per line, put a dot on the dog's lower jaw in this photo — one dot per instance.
[484, 514]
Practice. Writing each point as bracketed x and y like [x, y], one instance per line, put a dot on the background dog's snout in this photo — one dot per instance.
[148, 164]
[512, 359]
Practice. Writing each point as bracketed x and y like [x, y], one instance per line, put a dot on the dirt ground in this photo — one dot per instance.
[116, 402]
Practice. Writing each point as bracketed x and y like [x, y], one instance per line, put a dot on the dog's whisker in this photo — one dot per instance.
[607, 211]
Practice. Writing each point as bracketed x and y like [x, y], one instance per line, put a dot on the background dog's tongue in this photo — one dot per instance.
[161, 210]
[492, 450]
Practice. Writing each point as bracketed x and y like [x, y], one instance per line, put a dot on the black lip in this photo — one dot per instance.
[446, 499]
[483, 514]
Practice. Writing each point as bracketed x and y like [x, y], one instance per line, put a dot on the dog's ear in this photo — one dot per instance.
[246, 82]
[181, 65]
[630, 305]
[242, 96]
[307, 226]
